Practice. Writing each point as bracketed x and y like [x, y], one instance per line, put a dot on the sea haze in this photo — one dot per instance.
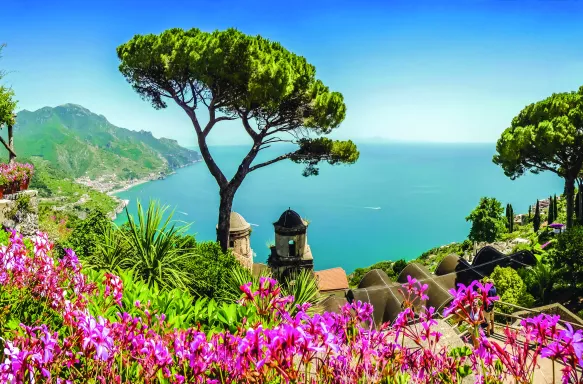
[396, 202]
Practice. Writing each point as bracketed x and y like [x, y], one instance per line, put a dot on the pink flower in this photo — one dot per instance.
[96, 336]
[113, 287]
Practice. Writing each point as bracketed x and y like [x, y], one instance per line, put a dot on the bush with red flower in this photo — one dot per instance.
[15, 177]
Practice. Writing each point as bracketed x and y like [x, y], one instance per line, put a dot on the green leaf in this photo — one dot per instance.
[458, 352]
[464, 370]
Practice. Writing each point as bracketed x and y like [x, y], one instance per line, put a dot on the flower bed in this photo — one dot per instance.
[67, 332]
[15, 177]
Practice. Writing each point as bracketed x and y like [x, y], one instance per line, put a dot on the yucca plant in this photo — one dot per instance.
[157, 249]
[301, 285]
[238, 277]
[110, 252]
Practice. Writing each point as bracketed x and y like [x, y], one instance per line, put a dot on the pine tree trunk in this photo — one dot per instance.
[224, 223]
[11, 155]
[569, 194]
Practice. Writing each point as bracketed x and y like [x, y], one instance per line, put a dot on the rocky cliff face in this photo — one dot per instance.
[19, 211]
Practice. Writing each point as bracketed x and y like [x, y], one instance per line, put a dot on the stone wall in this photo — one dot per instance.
[20, 211]
[553, 309]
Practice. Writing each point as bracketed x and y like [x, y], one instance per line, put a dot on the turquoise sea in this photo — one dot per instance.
[398, 201]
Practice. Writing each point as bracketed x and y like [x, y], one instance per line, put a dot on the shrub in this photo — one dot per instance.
[207, 267]
[398, 266]
[540, 281]
[86, 235]
[511, 289]
[156, 248]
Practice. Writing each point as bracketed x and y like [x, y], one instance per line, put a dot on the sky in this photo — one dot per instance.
[430, 71]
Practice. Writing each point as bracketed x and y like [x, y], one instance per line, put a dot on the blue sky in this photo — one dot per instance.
[443, 71]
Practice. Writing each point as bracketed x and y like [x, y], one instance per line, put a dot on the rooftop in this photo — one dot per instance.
[238, 223]
[332, 279]
[290, 219]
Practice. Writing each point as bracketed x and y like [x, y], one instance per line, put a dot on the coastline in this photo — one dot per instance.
[122, 203]
[119, 209]
[151, 177]
[129, 186]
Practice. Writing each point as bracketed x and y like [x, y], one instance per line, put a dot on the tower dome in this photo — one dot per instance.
[290, 219]
[238, 223]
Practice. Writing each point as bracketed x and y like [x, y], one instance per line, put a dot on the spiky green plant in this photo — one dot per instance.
[156, 248]
[301, 285]
[238, 277]
[110, 251]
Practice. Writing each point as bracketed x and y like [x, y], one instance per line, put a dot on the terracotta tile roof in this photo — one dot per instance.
[332, 279]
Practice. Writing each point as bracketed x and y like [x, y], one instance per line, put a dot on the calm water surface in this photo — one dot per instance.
[396, 202]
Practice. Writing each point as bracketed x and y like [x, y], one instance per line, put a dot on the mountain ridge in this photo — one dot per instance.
[85, 144]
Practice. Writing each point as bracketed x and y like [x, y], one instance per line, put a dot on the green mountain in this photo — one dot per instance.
[81, 143]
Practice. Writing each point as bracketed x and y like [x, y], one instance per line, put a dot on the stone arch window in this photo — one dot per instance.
[292, 247]
[231, 243]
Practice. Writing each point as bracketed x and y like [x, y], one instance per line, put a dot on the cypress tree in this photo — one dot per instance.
[511, 217]
[529, 209]
[536, 219]
[551, 215]
[579, 207]
[556, 208]
[507, 216]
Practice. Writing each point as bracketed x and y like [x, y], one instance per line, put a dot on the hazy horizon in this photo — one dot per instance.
[372, 140]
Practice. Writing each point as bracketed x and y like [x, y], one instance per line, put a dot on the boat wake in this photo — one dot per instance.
[184, 213]
[255, 225]
[375, 208]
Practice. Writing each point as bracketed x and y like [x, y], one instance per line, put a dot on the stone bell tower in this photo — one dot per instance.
[291, 251]
[240, 240]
